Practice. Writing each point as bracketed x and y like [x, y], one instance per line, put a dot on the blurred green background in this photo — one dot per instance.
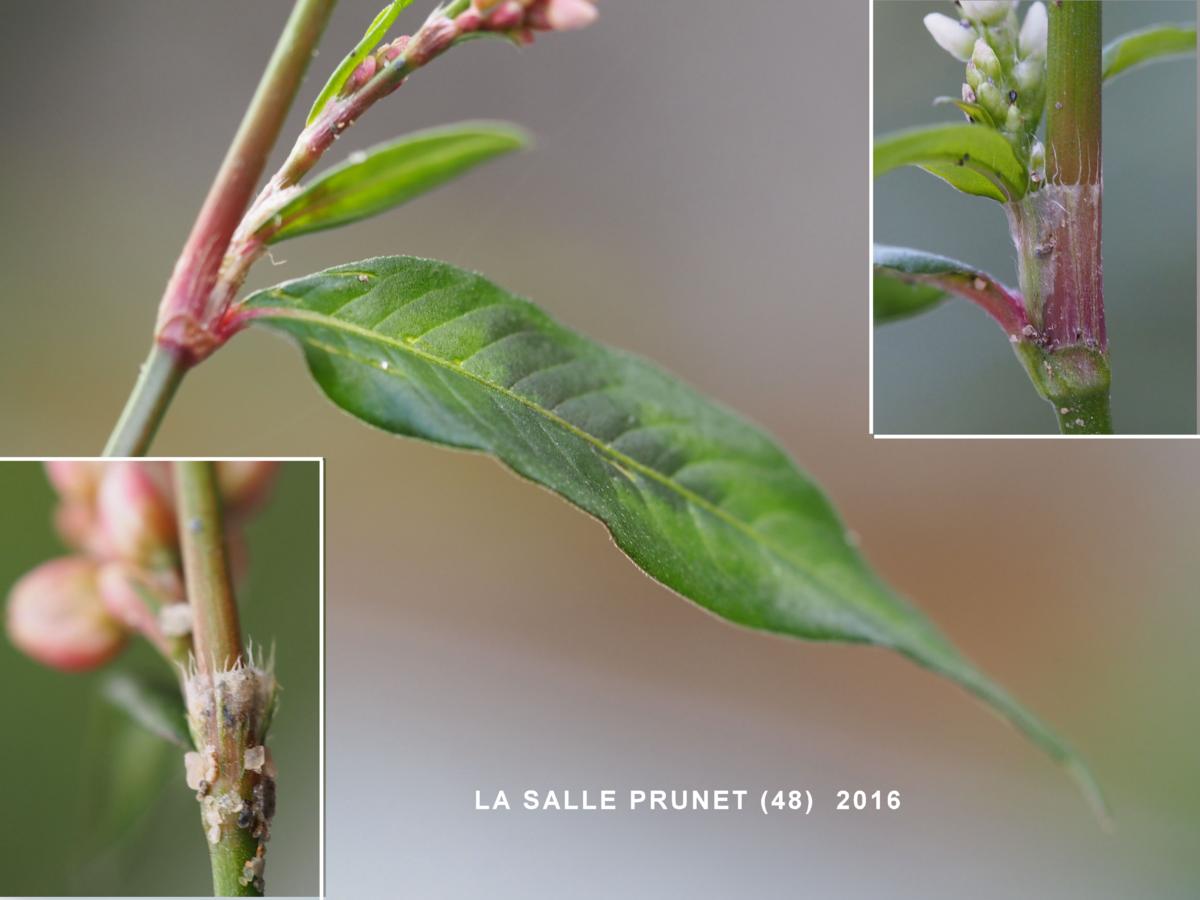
[698, 194]
[93, 804]
[951, 371]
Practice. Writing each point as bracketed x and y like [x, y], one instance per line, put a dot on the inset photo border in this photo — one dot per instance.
[1033, 219]
[163, 663]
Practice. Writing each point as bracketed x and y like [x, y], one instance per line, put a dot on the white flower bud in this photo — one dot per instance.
[993, 101]
[955, 37]
[986, 12]
[1037, 162]
[1013, 122]
[985, 60]
[1032, 41]
[968, 95]
[1028, 74]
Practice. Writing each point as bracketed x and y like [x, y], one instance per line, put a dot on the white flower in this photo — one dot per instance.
[986, 12]
[955, 37]
[1032, 41]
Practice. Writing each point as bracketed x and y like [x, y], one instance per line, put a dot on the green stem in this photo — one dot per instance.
[1073, 77]
[216, 633]
[186, 324]
[217, 644]
[157, 381]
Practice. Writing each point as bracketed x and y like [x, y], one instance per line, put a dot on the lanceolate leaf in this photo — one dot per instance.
[910, 281]
[390, 174]
[971, 158]
[156, 707]
[375, 33]
[1158, 42]
[700, 499]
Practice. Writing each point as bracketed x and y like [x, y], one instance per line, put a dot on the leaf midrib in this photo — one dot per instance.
[605, 449]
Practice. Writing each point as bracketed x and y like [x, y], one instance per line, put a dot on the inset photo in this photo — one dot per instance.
[163, 697]
[1033, 218]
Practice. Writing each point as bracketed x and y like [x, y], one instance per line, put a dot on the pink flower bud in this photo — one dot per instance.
[55, 615]
[245, 484]
[435, 36]
[77, 524]
[361, 75]
[506, 16]
[74, 479]
[561, 15]
[136, 597]
[135, 512]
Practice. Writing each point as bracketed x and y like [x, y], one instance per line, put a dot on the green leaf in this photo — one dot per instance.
[700, 499]
[390, 174]
[896, 298]
[1158, 42]
[974, 110]
[971, 158]
[124, 770]
[156, 706]
[909, 281]
[375, 32]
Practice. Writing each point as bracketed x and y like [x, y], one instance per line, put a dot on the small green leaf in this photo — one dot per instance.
[1153, 44]
[390, 174]
[971, 158]
[378, 28]
[974, 110]
[700, 499]
[909, 281]
[156, 706]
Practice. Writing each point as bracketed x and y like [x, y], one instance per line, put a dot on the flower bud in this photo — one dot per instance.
[968, 95]
[986, 12]
[74, 479]
[1014, 122]
[560, 15]
[55, 616]
[985, 60]
[955, 37]
[506, 16]
[135, 513]
[136, 598]
[1032, 41]
[1037, 162]
[1028, 74]
[245, 483]
[974, 77]
[77, 524]
[991, 99]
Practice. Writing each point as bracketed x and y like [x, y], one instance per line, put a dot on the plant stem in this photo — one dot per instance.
[218, 647]
[156, 384]
[185, 325]
[216, 633]
[1073, 72]
[1057, 232]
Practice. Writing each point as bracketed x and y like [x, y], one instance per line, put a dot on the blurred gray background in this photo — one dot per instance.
[698, 194]
[952, 371]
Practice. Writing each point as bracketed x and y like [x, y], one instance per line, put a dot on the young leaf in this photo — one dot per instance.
[971, 158]
[375, 32]
[700, 499]
[1158, 42]
[157, 707]
[910, 281]
[391, 174]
